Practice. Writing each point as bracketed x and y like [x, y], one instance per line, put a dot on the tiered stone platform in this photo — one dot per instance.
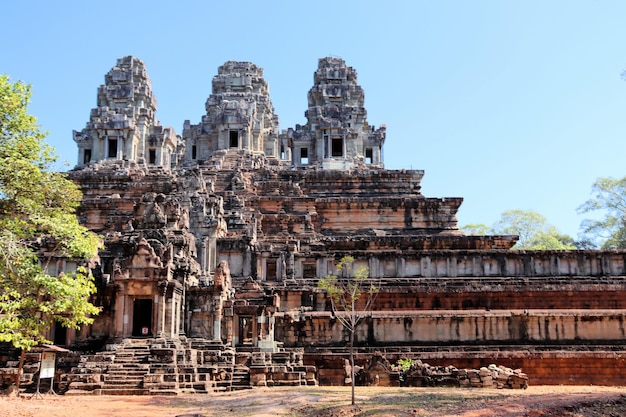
[156, 366]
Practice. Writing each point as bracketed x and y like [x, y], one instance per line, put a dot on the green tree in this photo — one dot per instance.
[351, 293]
[37, 207]
[477, 229]
[608, 198]
[532, 228]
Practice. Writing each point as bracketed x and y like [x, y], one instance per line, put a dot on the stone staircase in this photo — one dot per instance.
[118, 370]
[241, 378]
[125, 374]
[170, 367]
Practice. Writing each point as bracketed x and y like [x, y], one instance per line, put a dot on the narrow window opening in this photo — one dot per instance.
[369, 155]
[87, 156]
[282, 151]
[309, 270]
[112, 148]
[194, 150]
[234, 139]
[304, 156]
[337, 147]
[152, 156]
[271, 270]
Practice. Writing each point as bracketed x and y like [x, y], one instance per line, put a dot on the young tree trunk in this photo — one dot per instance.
[20, 367]
[352, 363]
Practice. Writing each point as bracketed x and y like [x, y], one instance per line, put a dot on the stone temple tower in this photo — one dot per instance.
[239, 115]
[123, 126]
[337, 135]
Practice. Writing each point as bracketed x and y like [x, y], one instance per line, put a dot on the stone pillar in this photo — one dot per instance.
[120, 316]
[320, 301]
[97, 150]
[247, 262]
[217, 318]
[244, 139]
[212, 253]
[235, 329]
[376, 155]
[156, 315]
[162, 330]
[374, 265]
[173, 315]
[452, 266]
[400, 267]
[181, 311]
[204, 255]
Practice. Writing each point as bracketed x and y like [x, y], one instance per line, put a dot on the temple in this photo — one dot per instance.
[215, 240]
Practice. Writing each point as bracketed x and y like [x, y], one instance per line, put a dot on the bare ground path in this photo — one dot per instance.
[540, 401]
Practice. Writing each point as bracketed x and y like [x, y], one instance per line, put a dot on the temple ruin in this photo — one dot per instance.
[215, 240]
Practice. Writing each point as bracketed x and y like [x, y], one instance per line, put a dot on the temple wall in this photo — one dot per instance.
[387, 213]
[410, 260]
[584, 297]
[535, 327]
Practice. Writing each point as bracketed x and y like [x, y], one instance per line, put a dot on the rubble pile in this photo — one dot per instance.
[492, 376]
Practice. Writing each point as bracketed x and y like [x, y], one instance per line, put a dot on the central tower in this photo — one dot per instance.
[239, 115]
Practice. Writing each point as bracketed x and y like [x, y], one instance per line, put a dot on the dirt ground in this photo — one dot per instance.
[540, 401]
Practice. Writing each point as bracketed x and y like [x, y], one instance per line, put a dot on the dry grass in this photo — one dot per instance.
[326, 402]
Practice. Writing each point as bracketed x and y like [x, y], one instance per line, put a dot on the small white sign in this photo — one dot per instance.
[47, 365]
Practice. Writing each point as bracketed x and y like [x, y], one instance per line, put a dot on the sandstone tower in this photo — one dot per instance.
[239, 115]
[337, 135]
[123, 126]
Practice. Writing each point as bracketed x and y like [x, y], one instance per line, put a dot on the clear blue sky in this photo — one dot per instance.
[509, 104]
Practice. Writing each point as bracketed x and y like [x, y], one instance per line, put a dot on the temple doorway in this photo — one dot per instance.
[233, 139]
[142, 317]
[60, 334]
[246, 330]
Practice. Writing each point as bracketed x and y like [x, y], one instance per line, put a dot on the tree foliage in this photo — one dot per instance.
[351, 293]
[476, 229]
[608, 198]
[532, 228]
[37, 206]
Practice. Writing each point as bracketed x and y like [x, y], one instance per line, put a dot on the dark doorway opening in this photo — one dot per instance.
[234, 139]
[337, 147]
[246, 330]
[112, 148]
[152, 156]
[87, 156]
[142, 317]
[369, 155]
[193, 151]
[304, 156]
[60, 334]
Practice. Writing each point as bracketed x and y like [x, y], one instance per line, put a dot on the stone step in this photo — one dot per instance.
[78, 392]
[122, 391]
[164, 392]
[128, 366]
[128, 371]
[129, 383]
[131, 356]
[109, 377]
